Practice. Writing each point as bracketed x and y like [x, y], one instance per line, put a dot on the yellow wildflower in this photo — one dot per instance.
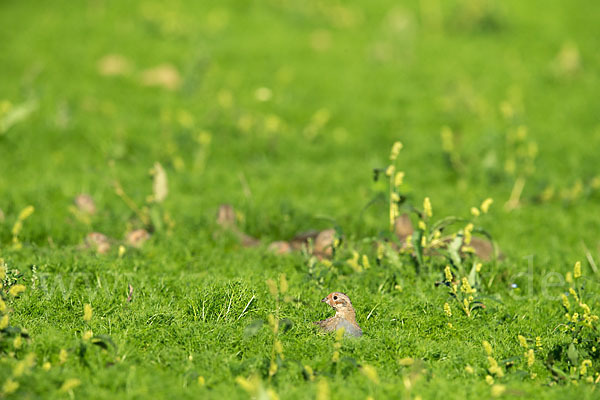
[46, 366]
[407, 361]
[468, 231]
[422, 225]
[475, 212]
[448, 273]
[62, 356]
[447, 309]
[530, 356]
[87, 335]
[577, 270]
[569, 277]
[489, 379]
[485, 206]
[272, 287]
[309, 372]
[574, 294]
[18, 342]
[2, 306]
[365, 262]
[4, 321]
[395, 150]
[487, 347]
[522, 341]
[427, 207]
[538, 342]
[389, 171]
[283, 284]
[201, 381]
[10, 386]
[469, 369]
[498, 390]
[15, 290]
[371, 373]
[565, 302]
[87, 312]
[323, 392]
[399, 179]
[70, 384]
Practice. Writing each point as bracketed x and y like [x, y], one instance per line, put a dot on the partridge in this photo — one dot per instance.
[345, 316]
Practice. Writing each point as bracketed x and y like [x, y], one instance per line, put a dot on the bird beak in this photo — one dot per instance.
[324, 300]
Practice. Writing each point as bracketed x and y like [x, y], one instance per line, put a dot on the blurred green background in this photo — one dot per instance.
[284, 107]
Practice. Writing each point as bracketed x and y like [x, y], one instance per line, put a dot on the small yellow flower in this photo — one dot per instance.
[399, 179]
[574, 294]
[469, 370]
[87, 312]
[478, 267]
[201, 381]
[538, 342]
[565, 302]
[395, 150]
[15, 290]
[371, 373]
[569, 277]
[530, 356]
[283, 284]
[468, 231]
[87, 335]
[309, 372]
[475, 212]
[272, 368]
[18, 342]
[448, 273]
[10, 386]
[62, 356]
[427, 207]
[272, 287]
[522, 341]
[365, 261]
[407, 361]
[422, 225]
[4, 321]
[485, 206]
[447, 309]
[121, 251]
[69, 385]
[489, 379]
[577, 270]
[498, 390]
[389, 171]
[46, 366]
[323, 392]
[487, 347]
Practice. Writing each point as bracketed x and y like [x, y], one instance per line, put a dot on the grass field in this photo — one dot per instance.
[283, 109]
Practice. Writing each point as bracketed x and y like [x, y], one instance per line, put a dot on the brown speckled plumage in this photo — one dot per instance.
[345, 316]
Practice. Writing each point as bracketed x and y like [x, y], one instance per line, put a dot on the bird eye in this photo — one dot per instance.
[335, 297]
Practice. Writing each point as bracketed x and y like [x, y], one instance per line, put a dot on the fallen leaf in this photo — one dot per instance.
[137, 238]
[324, 242]
[98, 242]
[165, 76]
[160, 187]
[85, 203]
[403, 227]
[130, 295]
[280, 247]
[114, 65]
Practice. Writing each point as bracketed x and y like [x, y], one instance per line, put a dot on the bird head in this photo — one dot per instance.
[339, 302]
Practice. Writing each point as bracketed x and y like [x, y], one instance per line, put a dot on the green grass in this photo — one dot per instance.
[381, 72]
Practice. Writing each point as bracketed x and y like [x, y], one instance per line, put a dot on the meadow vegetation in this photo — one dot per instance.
[448, 149]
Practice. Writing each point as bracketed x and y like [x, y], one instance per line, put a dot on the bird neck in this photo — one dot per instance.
[347, 314]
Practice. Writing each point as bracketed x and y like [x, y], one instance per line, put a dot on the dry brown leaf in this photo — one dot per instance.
[280, 247]
[165, 76]
[226, 216]
[98, 242]
[85, 203]
[114, 65]
[160, 186]
[130, 295]
[324, 242]
[403, 227]
[137, 238]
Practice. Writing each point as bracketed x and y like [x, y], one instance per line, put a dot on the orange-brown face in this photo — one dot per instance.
[337, 300]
